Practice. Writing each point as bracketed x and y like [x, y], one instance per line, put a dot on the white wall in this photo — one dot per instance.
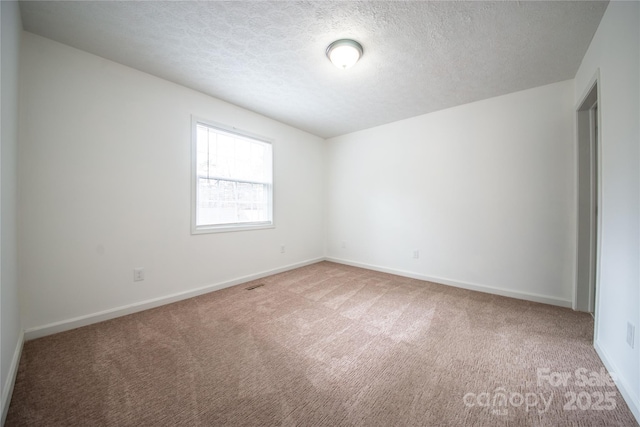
[105, 187]
[11, 333]
[615, 51]
[484, 191]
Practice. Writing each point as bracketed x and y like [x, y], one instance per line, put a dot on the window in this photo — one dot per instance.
[232, 179]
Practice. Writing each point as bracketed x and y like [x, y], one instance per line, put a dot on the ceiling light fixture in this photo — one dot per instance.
[344, 53]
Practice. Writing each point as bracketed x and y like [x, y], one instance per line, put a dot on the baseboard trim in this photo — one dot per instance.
[77, 322]
[458, 284]
[630, 398]
[7, 390]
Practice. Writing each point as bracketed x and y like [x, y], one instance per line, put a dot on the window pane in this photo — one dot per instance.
[202, 150]
[223, 159]
[230, 202]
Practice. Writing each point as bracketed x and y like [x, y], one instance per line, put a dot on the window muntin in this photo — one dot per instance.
[232, 180]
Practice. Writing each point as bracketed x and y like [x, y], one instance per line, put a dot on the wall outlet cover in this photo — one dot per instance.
[138, 274]
[631, 334]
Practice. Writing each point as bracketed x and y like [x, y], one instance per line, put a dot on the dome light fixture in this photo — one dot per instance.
[344, 53]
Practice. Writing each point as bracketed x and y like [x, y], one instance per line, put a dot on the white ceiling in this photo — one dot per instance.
[269, 56]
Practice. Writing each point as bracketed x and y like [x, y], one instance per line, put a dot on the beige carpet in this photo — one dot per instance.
[324, 345]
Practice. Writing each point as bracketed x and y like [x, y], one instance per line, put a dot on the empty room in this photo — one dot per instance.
[320, 213]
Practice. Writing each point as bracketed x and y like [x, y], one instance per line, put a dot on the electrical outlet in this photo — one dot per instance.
[282, 249]
[416, 254]
[631, 334]
[138, 274]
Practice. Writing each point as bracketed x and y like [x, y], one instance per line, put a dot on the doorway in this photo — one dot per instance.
[588, 115]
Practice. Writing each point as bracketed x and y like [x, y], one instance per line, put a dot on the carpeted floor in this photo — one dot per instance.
[324, 345]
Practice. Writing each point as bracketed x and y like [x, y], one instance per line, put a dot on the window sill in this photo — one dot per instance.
[230, 228]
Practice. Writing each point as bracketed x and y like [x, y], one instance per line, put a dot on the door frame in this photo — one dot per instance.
[588, 198]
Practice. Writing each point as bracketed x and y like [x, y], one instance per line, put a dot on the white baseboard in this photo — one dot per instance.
[464, 285]
[76, 322]
[7, 389]
[627, 392]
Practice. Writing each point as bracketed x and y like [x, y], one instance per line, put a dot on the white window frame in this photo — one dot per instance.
[221, 228]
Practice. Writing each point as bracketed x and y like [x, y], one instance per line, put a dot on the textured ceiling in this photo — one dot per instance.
[269, 57]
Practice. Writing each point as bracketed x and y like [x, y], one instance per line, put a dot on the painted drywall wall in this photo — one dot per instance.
[484, 192]
[105, 187]
[615, 52]
[11, 333]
